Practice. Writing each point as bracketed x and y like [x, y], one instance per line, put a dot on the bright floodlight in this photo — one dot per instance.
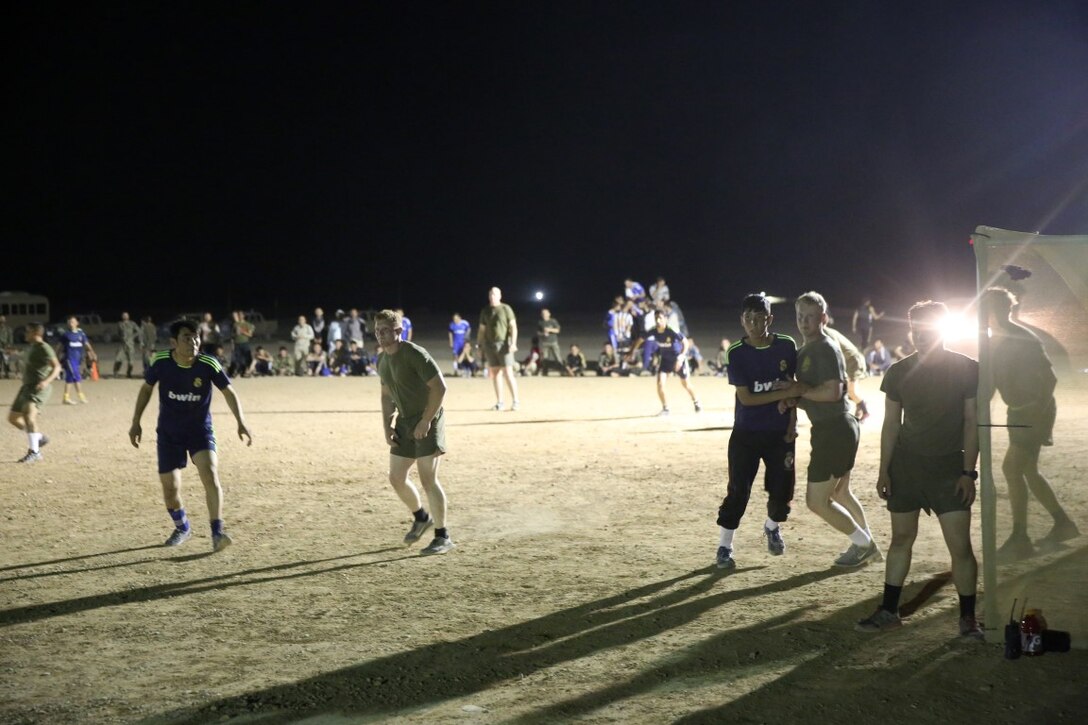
[957, 327]
[539, 295]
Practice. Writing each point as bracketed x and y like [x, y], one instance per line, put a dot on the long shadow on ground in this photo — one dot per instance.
[445, 670]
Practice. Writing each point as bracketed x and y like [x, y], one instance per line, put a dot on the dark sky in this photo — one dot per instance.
[181, 155]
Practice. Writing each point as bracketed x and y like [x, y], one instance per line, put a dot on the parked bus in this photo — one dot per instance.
[22, 307]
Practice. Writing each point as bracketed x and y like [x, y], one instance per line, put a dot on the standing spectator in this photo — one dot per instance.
[862, 322]
[413, 421]
[321, 330]
[335, 330]
[7, 343]
[354, 328]
[241, 356]
[879, 359]
[184, 429]
[303, 335]
[406, 326]
[149, 339]
[360, 361]
[72, 344]
[659, 292]
[128, 334]
[633, 291]
[576, 362]
[497, 336]
[210, 334]
[762, 429]
[459, 331]
[40, 370]
[547, 335]
[928, 457]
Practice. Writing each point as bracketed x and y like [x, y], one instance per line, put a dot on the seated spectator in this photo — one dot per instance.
[340, 359]
[317, 361]
[262, 362]
[879, 358]
[532, 363]
[283, 364]
[576, 362]
[466, 362]
[720, 363]
[905, 349]
[609, 364]
[359, 362]
[221, 355]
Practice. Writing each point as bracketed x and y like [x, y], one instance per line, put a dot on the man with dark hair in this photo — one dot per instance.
[928, 454]
[39, 371]
[185, 377]
[1024, 377]
[762, 429]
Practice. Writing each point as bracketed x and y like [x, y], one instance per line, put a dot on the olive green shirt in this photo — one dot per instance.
[496, 321]
[406, 374]
[39, 363]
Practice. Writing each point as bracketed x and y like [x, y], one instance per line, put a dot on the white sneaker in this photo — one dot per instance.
[221, 541]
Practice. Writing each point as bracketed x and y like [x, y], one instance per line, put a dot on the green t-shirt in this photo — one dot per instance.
[497, 321]
[547, 331]
[932, 395]
[243, 332]
[817, 362]
[406, 374]
[39, 363]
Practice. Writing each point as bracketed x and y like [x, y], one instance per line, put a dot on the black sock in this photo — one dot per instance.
[967, 605]
[420, 515]
[442, 533]
[891, 599]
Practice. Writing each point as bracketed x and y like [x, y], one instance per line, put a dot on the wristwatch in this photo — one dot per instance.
[973, 475]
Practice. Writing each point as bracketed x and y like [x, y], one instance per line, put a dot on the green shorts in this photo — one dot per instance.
[30, 394]
[498, 354]
[1033, 426]
[408, 447]
[925, 482]
[834, 447]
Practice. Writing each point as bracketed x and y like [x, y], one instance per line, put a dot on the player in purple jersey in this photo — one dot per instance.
[185, 378]
[671, 348]
[72, 344]
[762, 430]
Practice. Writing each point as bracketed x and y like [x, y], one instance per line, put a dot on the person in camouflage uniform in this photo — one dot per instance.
[149, 338]
[128, 333]
[7, 342]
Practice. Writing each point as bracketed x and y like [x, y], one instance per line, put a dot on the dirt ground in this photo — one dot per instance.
[582, 587]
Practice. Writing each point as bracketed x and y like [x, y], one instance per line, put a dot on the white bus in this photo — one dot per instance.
[22, 307]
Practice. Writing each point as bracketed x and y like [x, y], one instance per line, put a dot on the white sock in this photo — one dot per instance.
[35, 441]
[770, 525]
[860, 537]
[725, 537]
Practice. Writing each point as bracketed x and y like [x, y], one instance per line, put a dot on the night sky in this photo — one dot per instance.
[172, 156]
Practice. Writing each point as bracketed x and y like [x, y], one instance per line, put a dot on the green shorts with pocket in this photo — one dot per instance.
[925, 482]
[434, 444]
[29, 394]
[498, 354]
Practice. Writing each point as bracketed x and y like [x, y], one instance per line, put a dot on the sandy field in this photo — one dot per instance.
[582, 588]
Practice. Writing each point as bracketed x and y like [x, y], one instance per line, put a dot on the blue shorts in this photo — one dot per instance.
[72, 366]
[175, 449]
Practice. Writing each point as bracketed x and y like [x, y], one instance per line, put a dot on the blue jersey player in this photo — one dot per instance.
[185, 378]
[761, 369]
[72, 344]
[460, 330]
